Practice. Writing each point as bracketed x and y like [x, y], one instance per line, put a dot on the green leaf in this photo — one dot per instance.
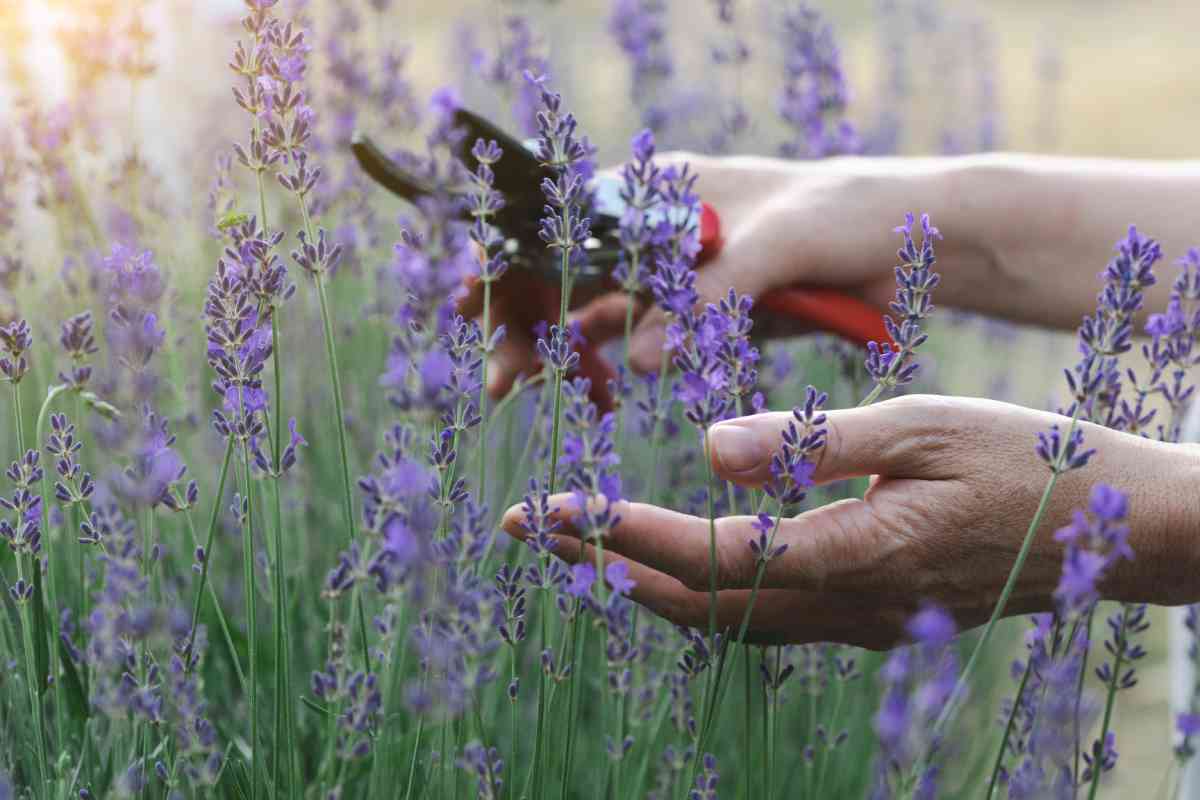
[231, 219]
[77, 702]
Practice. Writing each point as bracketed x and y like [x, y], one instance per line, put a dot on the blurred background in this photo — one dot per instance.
[131, 98]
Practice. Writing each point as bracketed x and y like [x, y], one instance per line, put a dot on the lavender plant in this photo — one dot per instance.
[147, 655]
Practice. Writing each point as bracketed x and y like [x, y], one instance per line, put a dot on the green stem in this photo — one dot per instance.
[564, 304]
[772, 747]
[483, 391]
[747, 724]
[340, 426]
[712, 548]
[624, 407]
[1008, 728]
[951, 706]
[31, 678]
[1110, 701]
[1079, 690]
[27, 633]
[655, 448]
[51, 581]
[251, 622]
[214, 515]
[222, 620]
[827, 756]
[579, 639]
[872, 396]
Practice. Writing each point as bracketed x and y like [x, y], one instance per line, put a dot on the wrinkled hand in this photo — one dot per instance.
[955, 484]
[783, 223]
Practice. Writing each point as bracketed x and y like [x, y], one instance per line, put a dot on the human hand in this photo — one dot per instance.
[783, 223]
[955, 483]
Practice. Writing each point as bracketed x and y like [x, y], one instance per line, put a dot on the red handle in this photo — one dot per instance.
[824, 309]
[829, 310]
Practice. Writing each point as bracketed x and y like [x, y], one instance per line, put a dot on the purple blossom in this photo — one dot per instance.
[582, 577]
[793, 464]
[1092, 547]
[890, 364]
[814, 97]
[917, 681]
[640, 29]
[15, 340]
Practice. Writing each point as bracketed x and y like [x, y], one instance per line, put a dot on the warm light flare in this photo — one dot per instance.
[34, 56]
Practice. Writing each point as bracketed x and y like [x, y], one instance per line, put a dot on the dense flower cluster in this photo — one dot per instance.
[164, 584]
[814, 96]
[890, 364]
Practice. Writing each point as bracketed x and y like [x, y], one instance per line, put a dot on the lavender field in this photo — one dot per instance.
[314, 491]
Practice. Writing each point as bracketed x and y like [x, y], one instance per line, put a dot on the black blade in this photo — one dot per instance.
[386, 172]
[519, 175]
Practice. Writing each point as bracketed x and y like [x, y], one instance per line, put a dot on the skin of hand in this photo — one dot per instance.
[955, 483]
[1025, 237]
[759, 200]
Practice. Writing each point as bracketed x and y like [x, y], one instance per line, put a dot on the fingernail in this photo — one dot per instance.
[737, 448]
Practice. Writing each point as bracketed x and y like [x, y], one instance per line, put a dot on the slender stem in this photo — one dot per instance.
[214, 515]
[712, 547]
[1110, 701]
[747, 724]
[563, 306]
[1079, 692]
[226, 632]
[483, 391]
[827, 756]
[579, 637]
[60, 704]
[1008, 728]
[31, 678]
[251, 613]
[872, 396]
[535, 762]
[31, 670]
[624, 407]
[951, 706]
[340, 425]
[774, 712]
[655, 448]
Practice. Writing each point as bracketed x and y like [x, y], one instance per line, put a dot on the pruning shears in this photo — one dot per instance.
[534, 270]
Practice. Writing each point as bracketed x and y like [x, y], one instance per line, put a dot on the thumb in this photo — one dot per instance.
[898, 438]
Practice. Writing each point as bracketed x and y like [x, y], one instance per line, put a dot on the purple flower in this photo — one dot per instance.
[932, 626]
[1092, 548]
[581, 580]
[15, 340]
[793, 465]
[519, 51]
[890, 363]
[814, 98]
[616, 575]
[640, 29]
[917, 683]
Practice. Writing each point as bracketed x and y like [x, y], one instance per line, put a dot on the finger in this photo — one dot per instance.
[470, 305]
[778, 616]
[604, 318]
[667, 541]
[903, 438]
[513, 356]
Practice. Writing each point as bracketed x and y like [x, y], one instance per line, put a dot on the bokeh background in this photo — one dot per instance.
[1094, 77]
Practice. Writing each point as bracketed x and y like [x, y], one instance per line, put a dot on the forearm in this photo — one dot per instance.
[1027, 235]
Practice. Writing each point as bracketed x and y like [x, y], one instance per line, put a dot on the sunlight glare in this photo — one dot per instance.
[43, 54]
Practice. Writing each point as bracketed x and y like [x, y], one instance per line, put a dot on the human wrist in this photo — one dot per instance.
[1164, 526]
